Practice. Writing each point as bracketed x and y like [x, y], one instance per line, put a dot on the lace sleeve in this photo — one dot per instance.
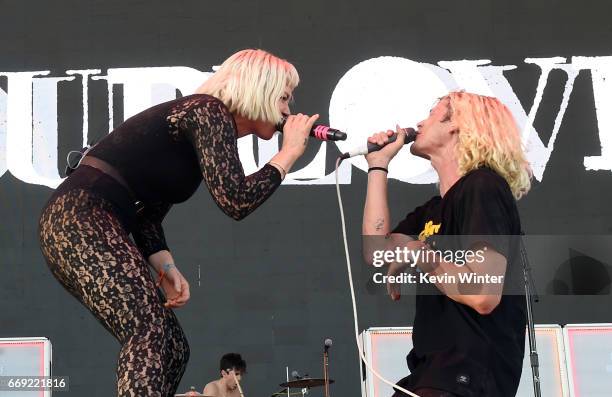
[149, 233]
[210, 128]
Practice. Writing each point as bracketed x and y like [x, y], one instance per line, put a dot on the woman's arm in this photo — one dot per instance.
[151, 242]
[170, 279]
[211, 130]
[148, 233]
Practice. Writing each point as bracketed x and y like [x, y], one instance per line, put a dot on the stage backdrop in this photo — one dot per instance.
[274, 285]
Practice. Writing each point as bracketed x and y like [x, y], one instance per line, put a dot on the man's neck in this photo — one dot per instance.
[447, 167]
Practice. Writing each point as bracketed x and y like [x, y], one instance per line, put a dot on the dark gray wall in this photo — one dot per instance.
[274, 285]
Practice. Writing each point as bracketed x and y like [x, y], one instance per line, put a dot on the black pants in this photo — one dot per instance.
[89, 251]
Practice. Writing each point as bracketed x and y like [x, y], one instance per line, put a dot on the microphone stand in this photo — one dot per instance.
[326, 370]
[531, 296]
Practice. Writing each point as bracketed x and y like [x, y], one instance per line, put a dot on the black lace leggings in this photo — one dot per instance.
[89, 251]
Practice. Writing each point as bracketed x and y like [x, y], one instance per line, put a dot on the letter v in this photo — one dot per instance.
[490, 80]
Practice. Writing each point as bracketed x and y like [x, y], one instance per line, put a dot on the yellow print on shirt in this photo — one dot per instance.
[429, 230]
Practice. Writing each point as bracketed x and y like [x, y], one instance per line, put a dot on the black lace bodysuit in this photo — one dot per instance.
[163, 154]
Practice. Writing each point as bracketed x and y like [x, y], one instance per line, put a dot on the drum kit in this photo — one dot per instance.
[301, 383]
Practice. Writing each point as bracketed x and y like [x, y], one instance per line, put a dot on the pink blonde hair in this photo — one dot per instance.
[251, 82]
[489, 136]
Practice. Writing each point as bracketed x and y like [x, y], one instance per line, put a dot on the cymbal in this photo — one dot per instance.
[284, 393]
[305, 382]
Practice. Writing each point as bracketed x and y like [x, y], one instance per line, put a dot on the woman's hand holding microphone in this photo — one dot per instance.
[295, 139]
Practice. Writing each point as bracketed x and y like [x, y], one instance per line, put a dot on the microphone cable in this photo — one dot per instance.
[350, 279]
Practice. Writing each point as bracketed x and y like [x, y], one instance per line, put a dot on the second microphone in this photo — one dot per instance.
[372, 147]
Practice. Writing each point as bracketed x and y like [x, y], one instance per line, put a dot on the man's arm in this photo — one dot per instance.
[480, 296]
[376, 209]
[447, 276]
[375, 226]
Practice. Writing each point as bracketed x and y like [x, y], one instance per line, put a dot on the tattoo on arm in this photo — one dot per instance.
[305, 141]
[379, 224]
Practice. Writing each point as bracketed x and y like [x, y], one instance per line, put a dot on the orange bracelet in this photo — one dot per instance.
[161, 278]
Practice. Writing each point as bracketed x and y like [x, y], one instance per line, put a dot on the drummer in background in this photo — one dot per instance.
[231, 365]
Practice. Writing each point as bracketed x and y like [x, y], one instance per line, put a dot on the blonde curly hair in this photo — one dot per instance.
[488, 136]
[251, 82]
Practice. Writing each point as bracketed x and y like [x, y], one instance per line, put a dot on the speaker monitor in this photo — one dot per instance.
[589, 359]
[386, 350]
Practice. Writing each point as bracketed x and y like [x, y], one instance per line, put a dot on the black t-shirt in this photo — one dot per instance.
[455, 348]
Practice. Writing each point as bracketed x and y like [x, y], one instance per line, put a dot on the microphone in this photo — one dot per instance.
[372, 147]
[328, 344]
[319, 131]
